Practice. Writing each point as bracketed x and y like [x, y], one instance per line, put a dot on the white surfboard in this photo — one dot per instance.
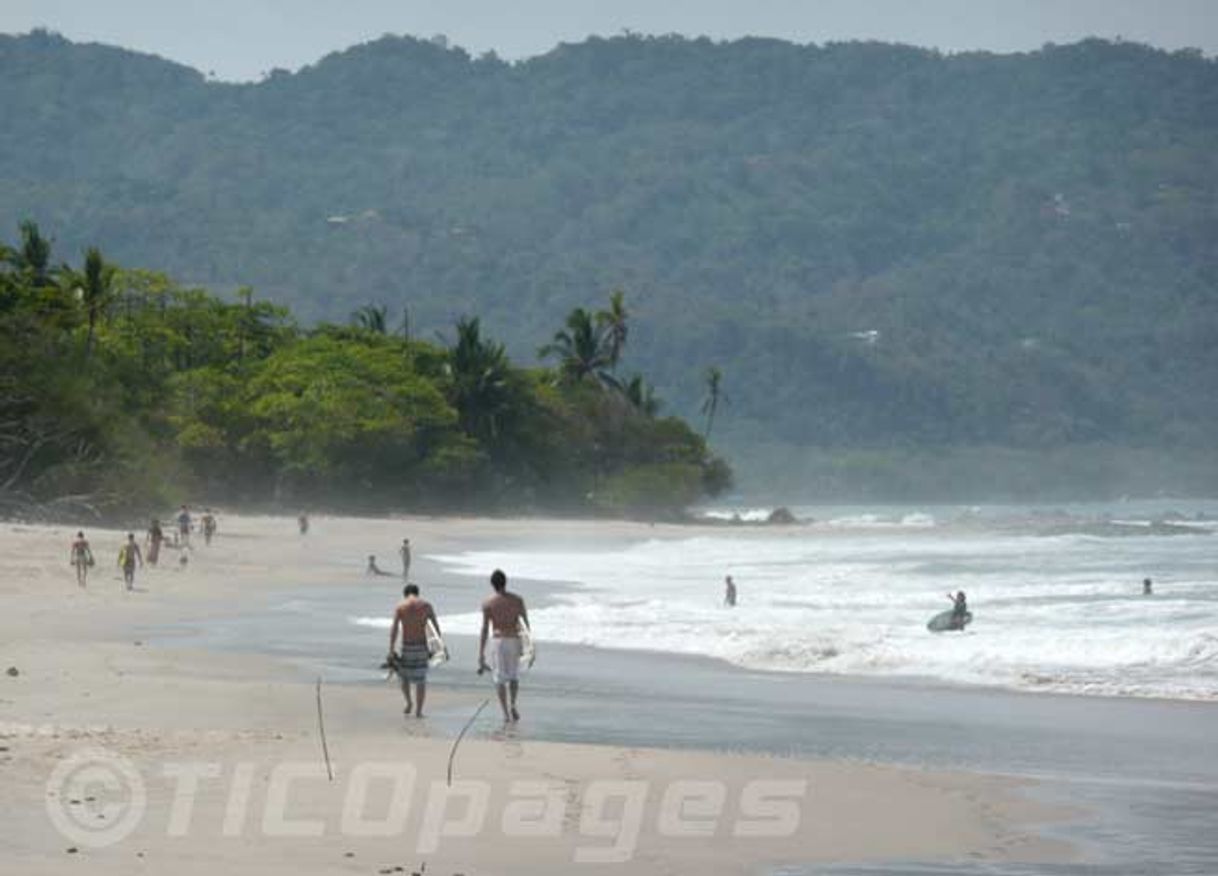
[435, 645]
[528, 650]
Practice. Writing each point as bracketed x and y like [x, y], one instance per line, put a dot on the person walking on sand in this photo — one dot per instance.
[729, 592]
[153, 541]
[404, 553]
[81, 558]
[502, 613]
[209, 526]
[128, 556]
[411, 617]
[184, 526]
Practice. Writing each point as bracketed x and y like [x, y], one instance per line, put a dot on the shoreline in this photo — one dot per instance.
[85, 677]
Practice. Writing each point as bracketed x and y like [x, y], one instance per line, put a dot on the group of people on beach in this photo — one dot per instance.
[131, 557]
[504, 619]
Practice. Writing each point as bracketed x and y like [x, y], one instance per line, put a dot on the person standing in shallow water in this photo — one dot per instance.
[502, 613]
[729, 592]
[128, 556]
[404, 552]
[81, 558]
[303, 523]
[1148, 587]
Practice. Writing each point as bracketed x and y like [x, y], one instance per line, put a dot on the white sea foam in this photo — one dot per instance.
[1062, 613]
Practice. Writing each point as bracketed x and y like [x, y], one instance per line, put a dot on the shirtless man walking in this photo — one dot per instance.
[128, 555]
[411, 617]
[82, 558]
[502, 614]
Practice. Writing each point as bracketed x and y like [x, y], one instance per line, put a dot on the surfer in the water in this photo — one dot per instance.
[502, 614]
[959, 608]
[411, 616]
[729, 592]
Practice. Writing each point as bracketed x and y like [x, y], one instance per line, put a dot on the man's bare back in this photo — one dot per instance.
[504, 610]
[411, 616]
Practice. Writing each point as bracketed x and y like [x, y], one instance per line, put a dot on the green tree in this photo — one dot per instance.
[714, 395]
[614, 322]
[96, 290]
[34, 254]
[641, 395]
[581, 349]
[345, 416]
[372, 318]
[479, 372]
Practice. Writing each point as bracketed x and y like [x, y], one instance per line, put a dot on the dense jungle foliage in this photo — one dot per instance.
[120, 390]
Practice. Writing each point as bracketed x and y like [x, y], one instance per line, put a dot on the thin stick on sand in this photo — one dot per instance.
[321, 726]
[452, 754]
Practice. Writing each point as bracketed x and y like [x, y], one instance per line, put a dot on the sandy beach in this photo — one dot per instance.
[205, 760]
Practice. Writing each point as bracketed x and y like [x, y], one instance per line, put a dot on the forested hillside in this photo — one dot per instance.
[883, 248]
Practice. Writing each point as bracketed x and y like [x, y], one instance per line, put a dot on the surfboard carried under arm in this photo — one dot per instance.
[435, 645]
[528, 650]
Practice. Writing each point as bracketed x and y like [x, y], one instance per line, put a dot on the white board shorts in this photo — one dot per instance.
[505, 660]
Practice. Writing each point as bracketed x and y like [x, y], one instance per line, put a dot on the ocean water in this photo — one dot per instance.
[852, 595]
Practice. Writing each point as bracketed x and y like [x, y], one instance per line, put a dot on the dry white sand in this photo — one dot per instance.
[226, 751]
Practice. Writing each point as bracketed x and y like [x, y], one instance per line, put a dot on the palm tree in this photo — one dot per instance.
[95, 291]
[614, 324]
[642, 396]
[372, 318]
[480, 372]
[582, 350]
[714, 395]
[35, 253]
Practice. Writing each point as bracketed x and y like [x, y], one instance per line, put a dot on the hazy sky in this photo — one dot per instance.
[239, 39]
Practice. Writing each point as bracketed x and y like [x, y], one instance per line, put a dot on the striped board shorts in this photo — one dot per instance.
[412, 662]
